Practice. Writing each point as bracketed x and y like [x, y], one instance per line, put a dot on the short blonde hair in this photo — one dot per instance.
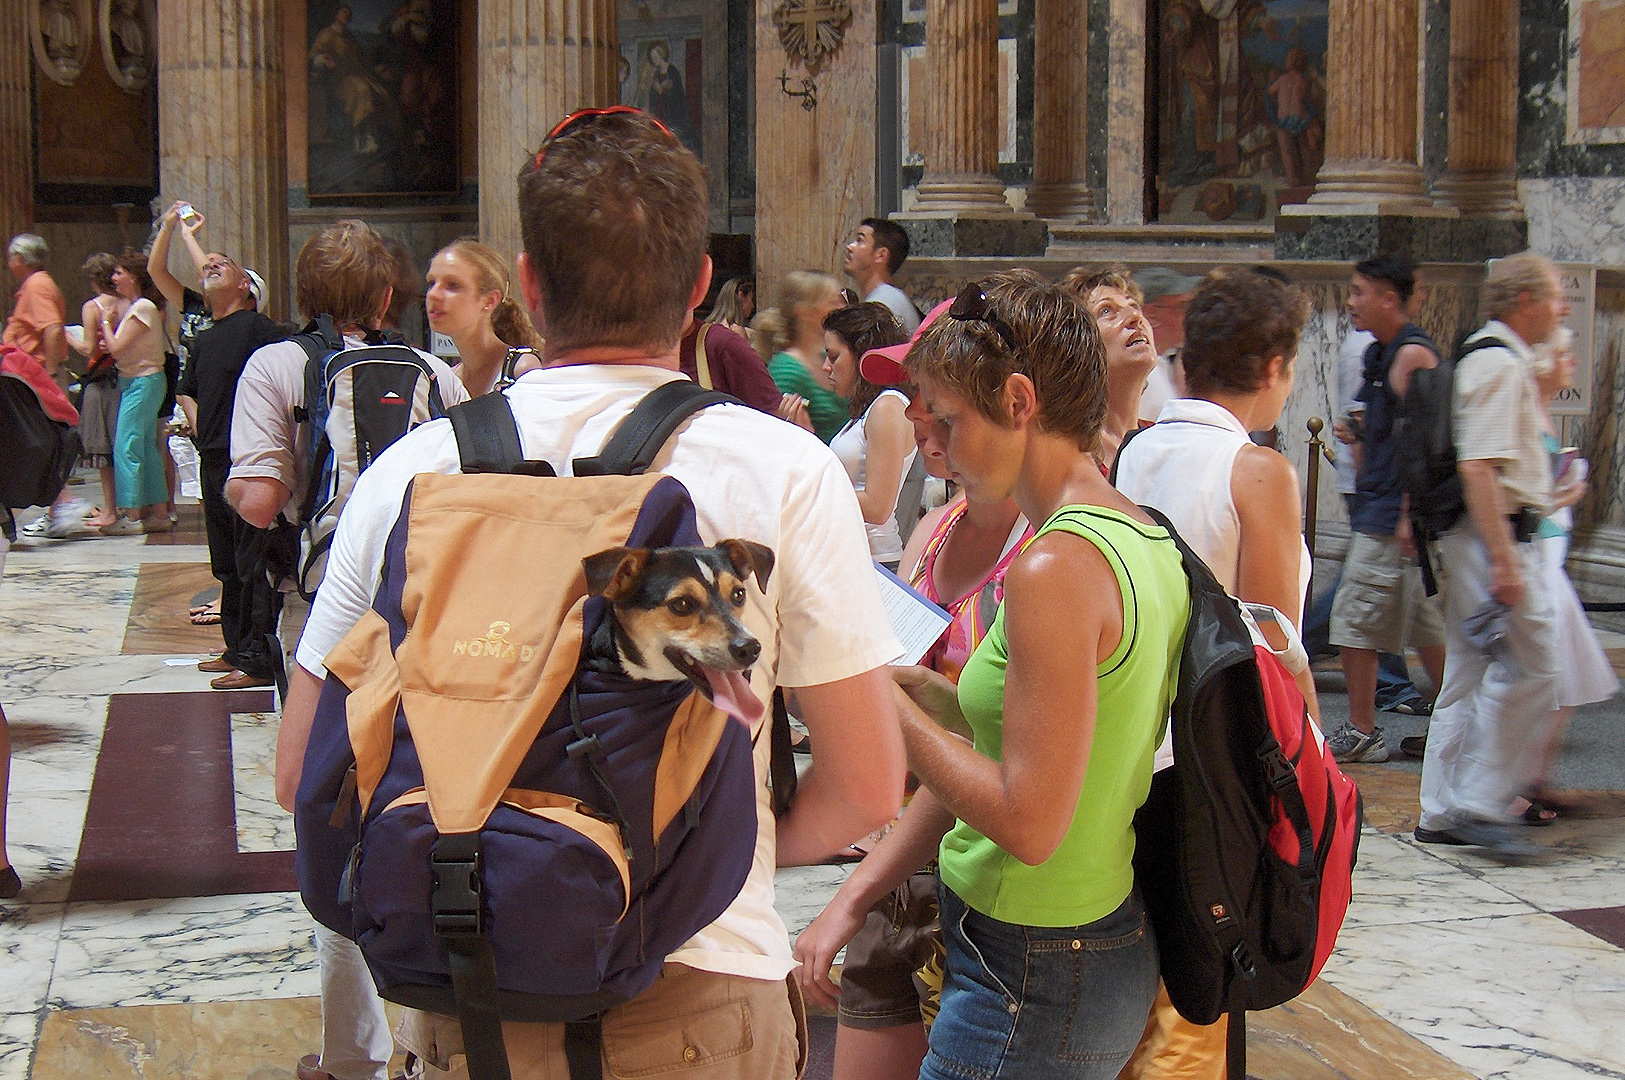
[777, 325]
[1512, 277]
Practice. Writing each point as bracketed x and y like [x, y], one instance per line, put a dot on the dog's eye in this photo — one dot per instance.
[682, 605]
[738, 596]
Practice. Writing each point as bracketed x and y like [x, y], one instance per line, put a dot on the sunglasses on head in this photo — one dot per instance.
[582, 116]
[972, 305]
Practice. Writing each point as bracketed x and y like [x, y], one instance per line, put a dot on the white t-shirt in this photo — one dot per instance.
[266, 440]
[751, 476]
[851, 445]
[901, 306]
[1350, 377]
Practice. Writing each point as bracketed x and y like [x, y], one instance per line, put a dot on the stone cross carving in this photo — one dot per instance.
[810, 30]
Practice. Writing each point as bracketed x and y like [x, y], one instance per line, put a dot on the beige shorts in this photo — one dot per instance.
[1381, 603]
[690, 1025]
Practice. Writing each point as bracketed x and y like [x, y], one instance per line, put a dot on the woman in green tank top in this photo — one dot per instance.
[1052, 966]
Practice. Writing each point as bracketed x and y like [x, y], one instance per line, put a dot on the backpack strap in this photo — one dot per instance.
[702, 363]
[487, 434]
[1117, 459]
[632, 448]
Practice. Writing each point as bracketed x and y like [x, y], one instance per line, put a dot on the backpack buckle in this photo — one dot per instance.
[455, 899]
[1281, 773]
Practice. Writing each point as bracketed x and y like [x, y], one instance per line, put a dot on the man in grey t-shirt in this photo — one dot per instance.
[873, 255]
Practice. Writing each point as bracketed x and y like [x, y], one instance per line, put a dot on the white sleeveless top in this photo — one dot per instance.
[851, 445]
[1181, 466]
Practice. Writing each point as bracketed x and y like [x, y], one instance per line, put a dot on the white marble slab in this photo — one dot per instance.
[262, 825]
[28, 942]
[43, 829]
[1525, 997]
[800, 893]
[54, 741]
[1586, 867]
[216, 948]
[1397, 882]
[18, 1034]
[110, 673]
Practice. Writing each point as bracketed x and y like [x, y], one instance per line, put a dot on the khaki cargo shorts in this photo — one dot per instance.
[689, 1024]
[1381, 604]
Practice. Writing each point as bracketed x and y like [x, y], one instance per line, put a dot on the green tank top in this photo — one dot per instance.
[827, 409]
[1092, 871]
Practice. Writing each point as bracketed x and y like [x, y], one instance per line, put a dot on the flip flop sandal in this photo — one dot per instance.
[1539, 814]
[206, 618]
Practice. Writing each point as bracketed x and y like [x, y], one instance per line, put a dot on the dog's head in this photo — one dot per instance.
[675, 615]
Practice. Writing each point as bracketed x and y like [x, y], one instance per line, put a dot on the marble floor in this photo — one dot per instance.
[157, 934]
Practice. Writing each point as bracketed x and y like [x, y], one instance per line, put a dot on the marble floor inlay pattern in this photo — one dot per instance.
[191, 956]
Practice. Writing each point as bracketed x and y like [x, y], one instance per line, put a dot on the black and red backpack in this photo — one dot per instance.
[1245, 847]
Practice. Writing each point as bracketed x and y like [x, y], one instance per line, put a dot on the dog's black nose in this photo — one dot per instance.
[745, 650]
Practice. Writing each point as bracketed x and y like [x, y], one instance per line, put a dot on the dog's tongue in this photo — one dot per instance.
[731, 692]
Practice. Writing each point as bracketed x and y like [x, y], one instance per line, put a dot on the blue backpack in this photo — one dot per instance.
[508, 831]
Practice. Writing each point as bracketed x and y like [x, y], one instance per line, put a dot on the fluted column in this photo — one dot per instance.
[962, 88]
[538, 60]
[1060, 187]
[1371, 123]
[16, 133]
[1481, 175]
[223, 132]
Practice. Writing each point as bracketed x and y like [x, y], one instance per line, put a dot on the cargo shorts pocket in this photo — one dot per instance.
[673, 1044]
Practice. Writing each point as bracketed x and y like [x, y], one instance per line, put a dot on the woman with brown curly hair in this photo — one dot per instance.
[877, 444]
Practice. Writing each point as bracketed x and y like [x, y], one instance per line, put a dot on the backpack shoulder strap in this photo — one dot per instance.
[1470, 347]
[702, 363]
[1117, 459]
[632, 448]
[487, 435]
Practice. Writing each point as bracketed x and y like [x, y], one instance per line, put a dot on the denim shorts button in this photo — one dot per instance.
[1077, 943]
[1012, 1007]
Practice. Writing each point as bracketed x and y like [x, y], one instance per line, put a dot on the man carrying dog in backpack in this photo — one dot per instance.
[1497, 692]
[344, 271]
[614, 217]
[1381, 605]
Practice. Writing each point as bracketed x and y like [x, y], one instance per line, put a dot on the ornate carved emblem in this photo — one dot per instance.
[811, 30]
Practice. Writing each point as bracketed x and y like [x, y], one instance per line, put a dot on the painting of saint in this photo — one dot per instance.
[662, 93]
[383, 110]
[1241, 97]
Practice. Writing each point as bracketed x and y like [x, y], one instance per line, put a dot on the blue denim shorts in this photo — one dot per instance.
[1057, 1003]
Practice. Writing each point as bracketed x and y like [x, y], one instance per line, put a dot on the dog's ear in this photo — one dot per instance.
[749, 557]
[611, 573]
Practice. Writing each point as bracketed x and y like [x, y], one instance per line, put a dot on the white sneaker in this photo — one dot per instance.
[38, 529]
[62, 528]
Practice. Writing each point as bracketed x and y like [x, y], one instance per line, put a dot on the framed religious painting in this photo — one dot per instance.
[383, 108]
[1596, 69]
[1239, 123]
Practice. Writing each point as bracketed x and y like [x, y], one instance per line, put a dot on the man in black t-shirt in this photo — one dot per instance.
[249, 602]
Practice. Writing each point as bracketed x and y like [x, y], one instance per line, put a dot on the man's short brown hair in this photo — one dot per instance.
[344, 271]
[1236, 323]
[1057, 346]
[614, 219]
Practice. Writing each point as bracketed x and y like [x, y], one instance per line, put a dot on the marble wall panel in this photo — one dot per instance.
[1576, 218]
[18, 1032]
